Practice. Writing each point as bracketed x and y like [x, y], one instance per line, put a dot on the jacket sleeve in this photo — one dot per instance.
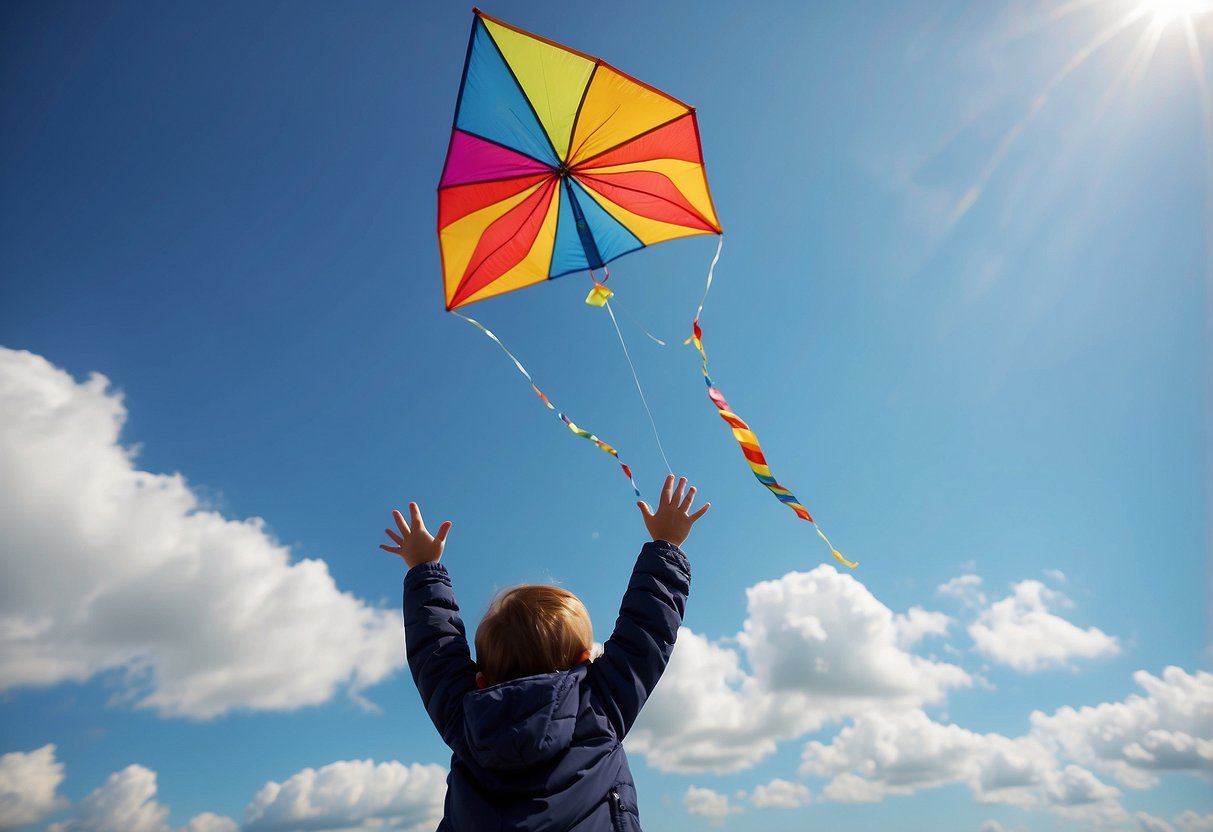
[437, 647]
[636, 654]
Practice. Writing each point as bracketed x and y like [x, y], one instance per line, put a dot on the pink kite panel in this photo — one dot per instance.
[472, 159]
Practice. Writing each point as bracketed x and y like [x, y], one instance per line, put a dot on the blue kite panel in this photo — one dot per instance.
[568, 255]
[610, 237]
[492, 106]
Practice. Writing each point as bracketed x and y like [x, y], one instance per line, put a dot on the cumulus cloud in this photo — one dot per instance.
[127, 803]
[899, 754]
[1020, 631]
[1056, 574]
[1052, 767]
[209, 822]
[29, 784]
[107, 566]
[1190, 821]
[343, 796]
[966, 589]
[780, 794]
[818, 646]
[708, 804]
[1168, 729]
[348, 795]
[916, 624]
[1148, 823]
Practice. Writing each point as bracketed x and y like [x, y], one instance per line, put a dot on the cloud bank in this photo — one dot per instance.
[355, 794]
[109, 567]
[29, 787]
[819, 647]
[340, 797]
[886, 754]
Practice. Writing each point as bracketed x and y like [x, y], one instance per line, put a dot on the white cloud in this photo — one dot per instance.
[882, 754]
[780, 794]
[899, 754]
[1165, 730]
[127, 803]
[819, 647]
[1019, 631]
[708, 804]
[209, 822]
[1190, 821]
[966, 589]
[110, 567]
[995, 826]
[356, 794]
[29, 784]
[916, 624]
[1149, 823]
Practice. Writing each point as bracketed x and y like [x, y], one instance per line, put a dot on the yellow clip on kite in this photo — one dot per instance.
[599, 295]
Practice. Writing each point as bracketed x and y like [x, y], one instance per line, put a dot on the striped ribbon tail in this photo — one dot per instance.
[584, 434]
[746, 438]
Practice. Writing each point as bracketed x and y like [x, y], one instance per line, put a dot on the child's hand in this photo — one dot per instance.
[416, 545]
[671, 523]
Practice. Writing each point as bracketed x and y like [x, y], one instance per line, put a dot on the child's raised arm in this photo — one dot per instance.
[636, 654]
[434, 634]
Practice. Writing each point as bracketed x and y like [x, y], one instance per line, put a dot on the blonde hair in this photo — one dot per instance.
[531, 629]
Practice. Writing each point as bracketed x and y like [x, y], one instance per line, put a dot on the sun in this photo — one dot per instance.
[1163, 12]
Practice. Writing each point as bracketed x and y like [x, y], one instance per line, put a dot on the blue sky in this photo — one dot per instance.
[963, 300]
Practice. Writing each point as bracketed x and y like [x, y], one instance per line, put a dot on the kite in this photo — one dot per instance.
[559, 163]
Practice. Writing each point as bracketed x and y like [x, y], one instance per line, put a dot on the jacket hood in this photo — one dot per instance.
[523, 722]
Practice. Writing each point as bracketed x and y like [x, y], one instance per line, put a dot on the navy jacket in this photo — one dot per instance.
[543, 752]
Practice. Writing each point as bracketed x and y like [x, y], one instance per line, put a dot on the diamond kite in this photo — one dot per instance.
[559, 163]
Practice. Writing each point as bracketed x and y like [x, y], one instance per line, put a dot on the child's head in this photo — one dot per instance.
[531, 629]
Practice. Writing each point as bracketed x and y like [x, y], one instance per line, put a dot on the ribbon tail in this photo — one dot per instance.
[584, 434]
[746, 438]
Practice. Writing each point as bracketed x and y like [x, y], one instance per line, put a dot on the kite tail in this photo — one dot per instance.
[745, 437]
[584, 434]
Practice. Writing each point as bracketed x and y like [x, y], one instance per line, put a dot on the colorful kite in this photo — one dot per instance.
[559, 163]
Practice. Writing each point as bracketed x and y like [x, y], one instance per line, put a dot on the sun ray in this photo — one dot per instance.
[1133, 68]
[973, 193]
[1206, 124]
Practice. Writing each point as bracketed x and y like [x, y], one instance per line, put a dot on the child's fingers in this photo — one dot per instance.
[645, 510]
[702, 511]
[399, 540]
[440, 538]
[400, 524]
[393, 550]
[676, 497]
[418, 524]
[690, 498]
[667, 489]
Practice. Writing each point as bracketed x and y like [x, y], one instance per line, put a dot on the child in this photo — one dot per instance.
[534, 727]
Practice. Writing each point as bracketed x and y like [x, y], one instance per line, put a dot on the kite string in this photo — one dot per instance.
[584, 434]
[639, 389]
[745, 437]
[623, 310]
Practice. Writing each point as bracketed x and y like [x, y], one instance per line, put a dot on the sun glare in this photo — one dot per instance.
[1163, 12]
